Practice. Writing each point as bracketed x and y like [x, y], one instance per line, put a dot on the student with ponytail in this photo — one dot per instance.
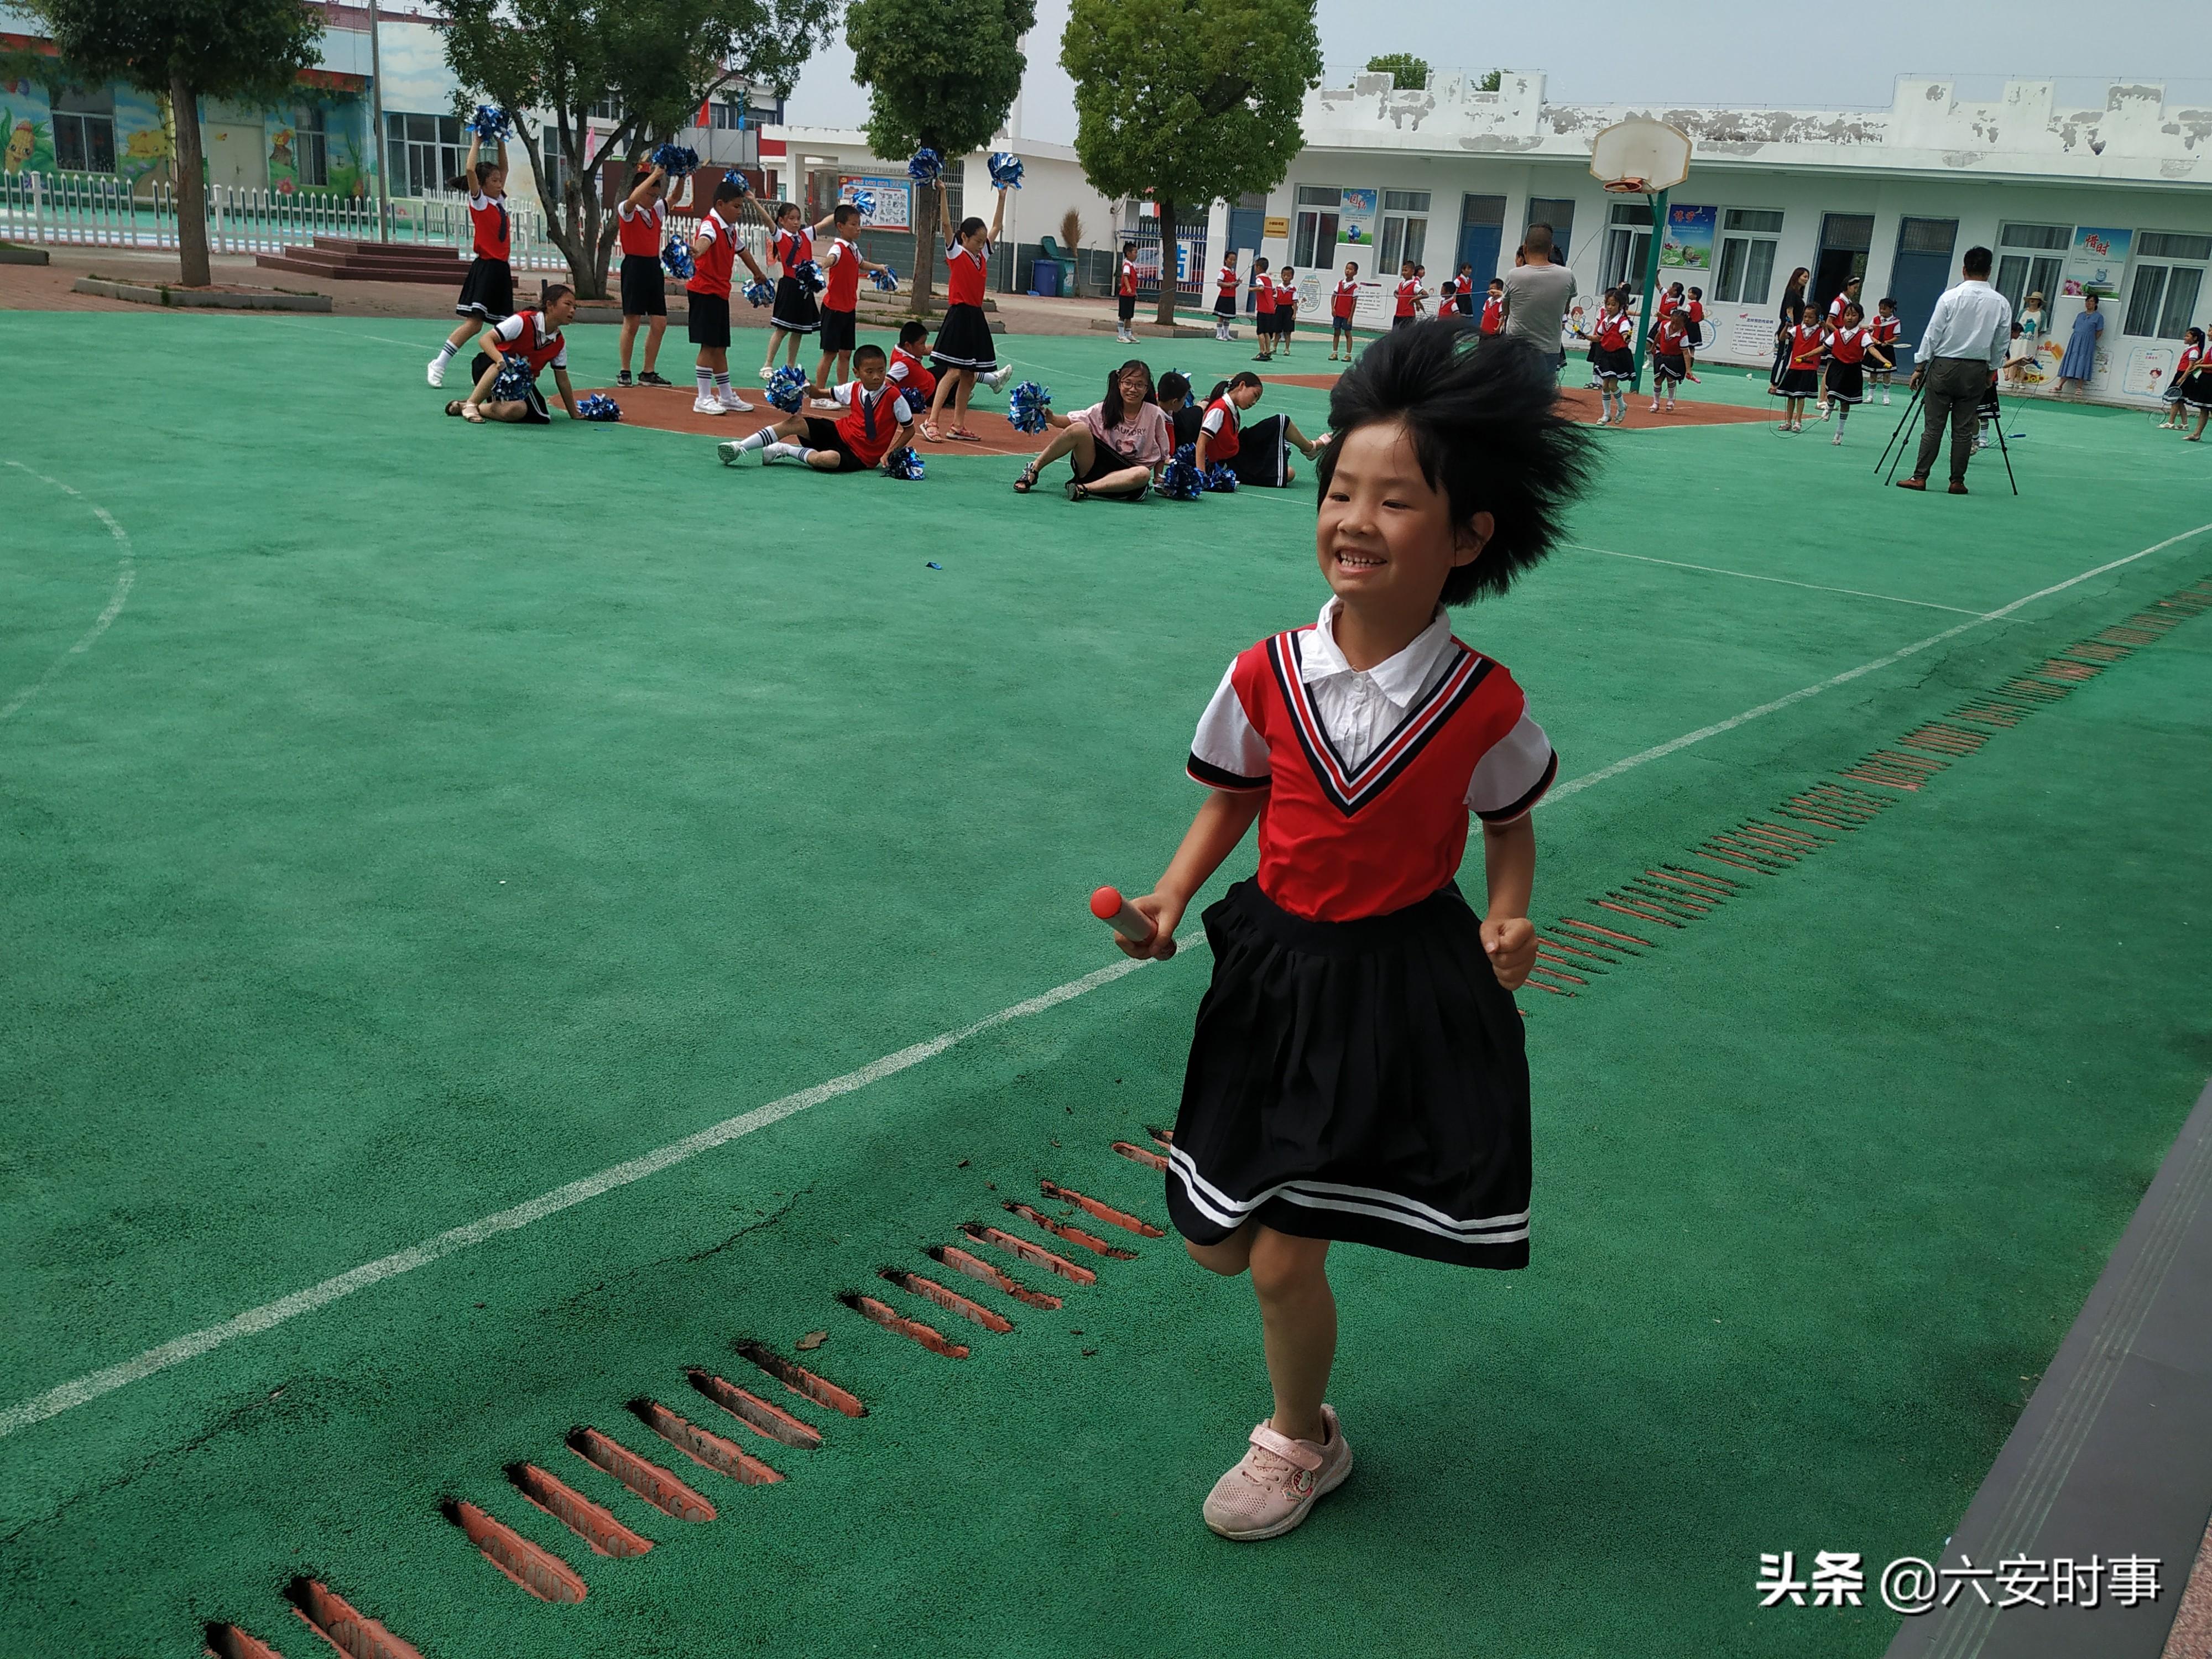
[1258, 454]
[487, 291]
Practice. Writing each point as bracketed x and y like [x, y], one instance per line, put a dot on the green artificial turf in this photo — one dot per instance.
[448, 814]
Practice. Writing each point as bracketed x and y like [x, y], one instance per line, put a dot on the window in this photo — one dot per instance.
[311, 147]
[729, 115]
[560, 171]
[2028, 257]
[608, 109]
[424, 151]
[1404, 228]
[1627, 245]
[84, 132]
[1312, 236]
[2162, 289]
[1745, 269]
[1556, 211]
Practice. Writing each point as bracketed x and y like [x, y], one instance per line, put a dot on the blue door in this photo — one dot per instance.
[1478, 246]
[1918, 279]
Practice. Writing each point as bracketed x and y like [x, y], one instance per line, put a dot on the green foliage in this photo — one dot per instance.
[1407, 72]
[657, 60]
[247, 52]
[1492, 82]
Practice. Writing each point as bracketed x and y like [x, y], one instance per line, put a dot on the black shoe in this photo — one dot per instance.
[651, 379]
[622, 378]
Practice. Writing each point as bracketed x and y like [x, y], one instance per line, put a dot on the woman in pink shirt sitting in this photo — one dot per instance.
[1115, 445]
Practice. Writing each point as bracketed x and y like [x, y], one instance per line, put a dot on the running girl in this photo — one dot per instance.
[1359, 1072]
[487, 291]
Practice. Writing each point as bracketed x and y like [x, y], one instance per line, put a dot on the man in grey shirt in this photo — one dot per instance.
[1957, 363]
[1537, 294]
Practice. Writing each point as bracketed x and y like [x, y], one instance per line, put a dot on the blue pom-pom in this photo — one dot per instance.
[1005, 170]
[886, 279]
[758, 293]
[733, 177]
[809, 274]
[515, 381]
[676, 259]
[786, 388]
[902, 463]
[1179, 480]
[866, 201]
[1221, 477]
[925, 167]
[491, 123]
[1025, 406]
[676, 159]
[598, 407]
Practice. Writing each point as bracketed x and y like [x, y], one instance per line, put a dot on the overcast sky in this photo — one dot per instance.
[1720, 51]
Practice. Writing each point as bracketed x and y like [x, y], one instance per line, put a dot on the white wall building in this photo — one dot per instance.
[2117, 198]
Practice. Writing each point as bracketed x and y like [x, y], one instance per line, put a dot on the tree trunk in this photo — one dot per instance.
[1165, 315]
[586, 274]
[928, 239]
[191, 186]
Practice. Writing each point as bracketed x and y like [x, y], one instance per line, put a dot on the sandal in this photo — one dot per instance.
[1027, 481]
[454, 407]
[472, 415]
[1076, 492]
[931, 433]
[961, 434]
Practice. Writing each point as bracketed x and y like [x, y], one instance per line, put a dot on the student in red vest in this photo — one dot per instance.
[907, 371]
[1467, 290]
[841, 299]
[1693, 325]
[487, 291]
[1850, 347]
[877, 420]
[532, 339]
[1612, 355]
[1258, 454]
[1493, 308]
[1341, 302]
[1225, 286]
[641, 227]
[1886, 326]
[964, 352]
[1448, 297]
[1797, 369]
[715, 251]
[1125, 295]
[1666, 343]
[1359, 1074]
[1410, 296]
[795, 314]
[1263, 311]
[1286, 309]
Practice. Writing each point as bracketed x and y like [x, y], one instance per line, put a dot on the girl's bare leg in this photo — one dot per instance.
[1297, 1316]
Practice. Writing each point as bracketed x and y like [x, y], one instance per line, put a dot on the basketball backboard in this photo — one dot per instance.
[1640, 155]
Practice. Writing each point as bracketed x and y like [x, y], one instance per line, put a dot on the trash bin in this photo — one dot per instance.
[1044, 277]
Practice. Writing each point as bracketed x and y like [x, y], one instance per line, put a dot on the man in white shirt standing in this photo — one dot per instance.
[1957, 364]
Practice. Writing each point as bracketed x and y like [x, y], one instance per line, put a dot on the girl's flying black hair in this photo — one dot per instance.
[1486, 431]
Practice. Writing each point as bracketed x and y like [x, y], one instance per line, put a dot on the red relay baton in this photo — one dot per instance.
[1125, 919]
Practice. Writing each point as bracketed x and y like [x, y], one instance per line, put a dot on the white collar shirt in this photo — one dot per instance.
[1972, 320]
[1361, 708]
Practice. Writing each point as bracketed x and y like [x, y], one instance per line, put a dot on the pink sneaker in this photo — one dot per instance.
[1275, 1487]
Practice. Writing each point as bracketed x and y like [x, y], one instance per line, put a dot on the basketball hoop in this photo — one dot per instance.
[1627, 187]
[1640, 157]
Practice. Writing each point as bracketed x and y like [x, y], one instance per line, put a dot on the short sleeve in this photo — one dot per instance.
[902, 413]
[1512, 776]
[509, 329]
[1211, 423]
[1228, 752]
[842, 395]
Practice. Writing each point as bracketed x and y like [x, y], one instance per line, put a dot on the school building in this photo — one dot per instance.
[2110, 198]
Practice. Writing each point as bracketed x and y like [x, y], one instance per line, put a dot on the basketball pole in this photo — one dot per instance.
[1650, 288]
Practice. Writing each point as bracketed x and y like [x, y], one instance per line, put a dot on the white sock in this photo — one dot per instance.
[721, 386]
[446, 352]
[760, 440]
[706, 382]
[792, 452]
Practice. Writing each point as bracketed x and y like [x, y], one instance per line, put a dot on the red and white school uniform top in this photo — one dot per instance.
[843, 292]
[2192, 358]
[1220, 426]
[1836, 308]
[642, 228]
[1407, 289]
[1695, 311]
[1807, 344]
[1225, 285]
[792, 249]
[1370, 775]
[1668, 335]
[1342, 301]
[1613, 330]
[912, 376]
[1849, 345]
[490, 225]
[524, 336]
[871, 419]
[1286, 296]
[1667, 303]
[963, 275]
[710, 269]
[1125, 285]
[1448, 296]
[1263, 295]
[1493, 313]
[1887, 328]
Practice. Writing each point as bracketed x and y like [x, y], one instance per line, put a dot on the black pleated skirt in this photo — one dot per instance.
[1361, 1080]
[964, 341]
[487, 291]
[1846, 382]
[795, 312]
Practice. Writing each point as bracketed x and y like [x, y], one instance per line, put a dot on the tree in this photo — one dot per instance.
[1406, 72]
[1492, 82]
[654, 62]
[940, 74]
[247, 52]
[1189, 101]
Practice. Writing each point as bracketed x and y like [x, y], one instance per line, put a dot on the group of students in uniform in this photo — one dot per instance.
[1828, 358]
[2188, 388]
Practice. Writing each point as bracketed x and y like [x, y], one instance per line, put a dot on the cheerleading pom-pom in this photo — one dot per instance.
[491, 123]
[600, 407]
[787, 387]
[886, 279]
[1026, 405]
[1005, 170]
[811, 274]
[676, 259]
[926, 166]
[1179, 480]
[676, 159]
[902, 463]
[1221, 478]
[866, 201]
[758, 293]
[745, 184]
[513, 384]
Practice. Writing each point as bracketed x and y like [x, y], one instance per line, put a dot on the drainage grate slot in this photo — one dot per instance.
[912, 1329]
[983, 1272]
[952, 1301]
[755, 1412]
[800, 1380]
[1139, 1155]
[1067, 1230]
[230, 1642]
[704, 1447]
[1035, 1254]
[1103, 1211]
[656, 1485]
[333, 1619]
[592, 1523]
[540, 1571]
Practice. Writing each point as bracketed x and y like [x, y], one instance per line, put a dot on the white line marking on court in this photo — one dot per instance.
[126, 576]
[1750, 576]
[1560, 791]
[93, 1384]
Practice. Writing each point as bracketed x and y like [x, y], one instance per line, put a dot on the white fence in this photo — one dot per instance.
[95, 211]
